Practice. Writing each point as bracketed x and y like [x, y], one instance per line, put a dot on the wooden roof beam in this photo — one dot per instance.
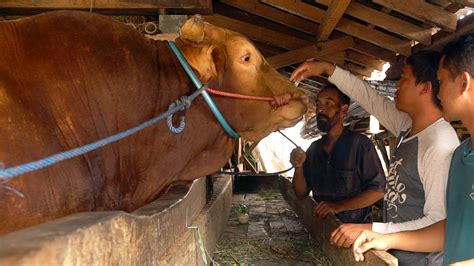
[258, 33]
[336, 8]
[345, 25]
[385, 21]
[336, 58]
[273, 14]
[421, 10]
[440, 39]
[129, 7]
[303, 25]
[364, 60]
[468, 3]
[311, 51]
[369, 49]
[361, 70]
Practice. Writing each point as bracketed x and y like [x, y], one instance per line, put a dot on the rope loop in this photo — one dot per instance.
[183, 103]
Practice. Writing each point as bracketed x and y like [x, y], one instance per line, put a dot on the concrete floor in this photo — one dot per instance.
[273, 236]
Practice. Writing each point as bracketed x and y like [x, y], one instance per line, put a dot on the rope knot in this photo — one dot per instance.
[185, 101]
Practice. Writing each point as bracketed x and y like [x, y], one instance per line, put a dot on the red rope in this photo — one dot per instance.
[239, 96]
[276, 101]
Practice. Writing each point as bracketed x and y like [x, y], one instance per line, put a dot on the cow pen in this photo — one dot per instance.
[165, 232]
[197, 222]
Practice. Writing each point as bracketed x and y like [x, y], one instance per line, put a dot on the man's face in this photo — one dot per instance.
[449, 92]
[328, 109]
[405, 96]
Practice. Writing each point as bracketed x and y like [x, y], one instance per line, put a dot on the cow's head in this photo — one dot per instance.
[230, 62]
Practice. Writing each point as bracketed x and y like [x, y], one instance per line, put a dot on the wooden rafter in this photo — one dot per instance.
[364, 60]
[311, 51]
[117, 7]
[361, 70]
[369, 49]
[440, 39]
[469, 3]
[258, 33]
[273, 14]
[421, 10]
[385, 21]
[345, 25]
[302, 25]
[336, 9]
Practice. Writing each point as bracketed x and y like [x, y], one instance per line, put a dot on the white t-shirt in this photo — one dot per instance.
[416, 184]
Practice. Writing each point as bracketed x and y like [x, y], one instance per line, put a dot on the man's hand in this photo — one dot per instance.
[297, 157]
[323, 208]
[346, 234]
[311, 68]
[369, 240]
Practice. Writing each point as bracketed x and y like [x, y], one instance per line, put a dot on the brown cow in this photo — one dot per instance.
[71, 78]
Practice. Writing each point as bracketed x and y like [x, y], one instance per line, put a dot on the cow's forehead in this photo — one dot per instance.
[238, 42]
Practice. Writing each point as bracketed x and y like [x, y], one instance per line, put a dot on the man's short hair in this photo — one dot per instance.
[343, 99]
[459, 55]
[424, 65]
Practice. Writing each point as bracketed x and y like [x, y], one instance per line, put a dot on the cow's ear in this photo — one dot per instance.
[216, 56]
[193, 29]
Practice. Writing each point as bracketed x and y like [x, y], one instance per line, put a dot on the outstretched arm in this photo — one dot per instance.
[311, 69]
[428, 239]
[359, 91]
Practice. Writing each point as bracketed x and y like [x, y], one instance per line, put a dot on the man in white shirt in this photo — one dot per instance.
[416, 183]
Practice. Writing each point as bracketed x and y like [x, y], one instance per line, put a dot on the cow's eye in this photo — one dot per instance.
[245, 58]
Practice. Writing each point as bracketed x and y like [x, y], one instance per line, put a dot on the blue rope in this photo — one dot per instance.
[185, 102]
[9, 173]
[207, 98]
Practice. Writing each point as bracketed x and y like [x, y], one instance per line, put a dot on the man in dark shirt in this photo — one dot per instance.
[342, 168]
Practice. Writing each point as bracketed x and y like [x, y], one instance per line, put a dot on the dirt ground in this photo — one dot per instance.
[273, 235]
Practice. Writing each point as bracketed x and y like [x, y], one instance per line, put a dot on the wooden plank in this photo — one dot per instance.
[440, 39]
[108, 6]
[257, 20]
[364, 71]
[258, 33]
[336, 58]
[468, 3]
[334, 13]
[303, 25]
[345, 25]
[421, 10]
[274, 14]
[369, 49]
[385, 21]
[364, 60]
[311, 51]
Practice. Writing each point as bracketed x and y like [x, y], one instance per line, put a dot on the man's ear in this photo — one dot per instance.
[427, 87]
[345, 109]
[467, 83]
